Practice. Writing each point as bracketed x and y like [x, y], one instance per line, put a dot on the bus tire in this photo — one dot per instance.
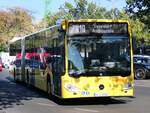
[49, 91]
[140, 73]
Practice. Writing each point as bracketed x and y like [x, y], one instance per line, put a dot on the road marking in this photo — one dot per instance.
[86, 110]
[43, 104]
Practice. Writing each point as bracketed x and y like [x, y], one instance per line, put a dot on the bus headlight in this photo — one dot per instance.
[71, 88]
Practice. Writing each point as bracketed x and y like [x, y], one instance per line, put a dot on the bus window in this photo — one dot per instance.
[58, 54]
[74, 56]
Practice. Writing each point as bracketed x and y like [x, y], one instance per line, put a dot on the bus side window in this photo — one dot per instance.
[58, 58]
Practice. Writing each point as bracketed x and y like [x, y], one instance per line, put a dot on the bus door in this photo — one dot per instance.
[58, 64]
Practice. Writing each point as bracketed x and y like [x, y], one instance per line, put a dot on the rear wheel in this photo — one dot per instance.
[140, 73]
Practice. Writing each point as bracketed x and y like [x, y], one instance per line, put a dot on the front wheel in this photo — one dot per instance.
[140, 73]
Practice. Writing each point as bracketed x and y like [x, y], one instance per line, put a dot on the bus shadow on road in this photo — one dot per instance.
[91, 101]
[12, 94]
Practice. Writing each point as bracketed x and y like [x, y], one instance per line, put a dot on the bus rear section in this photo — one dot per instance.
[99, 60]
[15, 51]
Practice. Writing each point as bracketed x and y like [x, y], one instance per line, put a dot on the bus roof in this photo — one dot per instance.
[40, 31]
[15, 39]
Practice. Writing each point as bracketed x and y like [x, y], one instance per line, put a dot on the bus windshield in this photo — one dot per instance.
[98, 55]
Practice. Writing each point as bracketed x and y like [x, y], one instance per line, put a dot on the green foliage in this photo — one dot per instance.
[14, 22]
[139, 9]
[139, 12]
[83, 9]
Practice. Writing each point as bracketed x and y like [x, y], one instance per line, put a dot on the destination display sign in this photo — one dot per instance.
[98, 27]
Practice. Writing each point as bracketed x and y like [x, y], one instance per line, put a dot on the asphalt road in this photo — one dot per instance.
[16, 98]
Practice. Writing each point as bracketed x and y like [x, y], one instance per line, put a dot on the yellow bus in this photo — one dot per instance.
[80, 59]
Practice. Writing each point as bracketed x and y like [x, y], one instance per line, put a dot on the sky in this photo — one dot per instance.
[37, 7]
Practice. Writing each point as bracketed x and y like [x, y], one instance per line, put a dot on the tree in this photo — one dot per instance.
[5, 23]
[22, 21]
[14, 22]
[81, 9]
[139, 9]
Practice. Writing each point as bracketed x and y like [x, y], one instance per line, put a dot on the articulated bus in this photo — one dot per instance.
[79, 59]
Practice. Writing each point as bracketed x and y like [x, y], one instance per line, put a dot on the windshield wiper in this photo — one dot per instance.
[76, 73]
